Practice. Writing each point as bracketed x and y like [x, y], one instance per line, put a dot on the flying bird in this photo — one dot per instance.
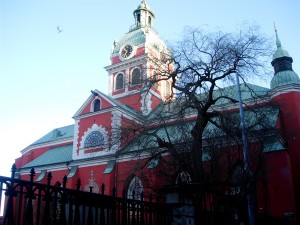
[59, 30]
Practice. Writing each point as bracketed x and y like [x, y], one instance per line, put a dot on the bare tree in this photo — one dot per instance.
[203, 63]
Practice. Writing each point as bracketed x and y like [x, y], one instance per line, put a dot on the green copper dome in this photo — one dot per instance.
[282, 63]
[283, 78]
[135, 37]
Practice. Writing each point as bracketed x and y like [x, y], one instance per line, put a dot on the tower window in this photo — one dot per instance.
[97, 104]
[95, 138]
[154, 80]
[138, 19]
[149, 21]
[136, 76]
[119, 81]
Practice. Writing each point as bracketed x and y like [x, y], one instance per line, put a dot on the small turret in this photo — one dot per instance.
[283, 71]
[143, 15]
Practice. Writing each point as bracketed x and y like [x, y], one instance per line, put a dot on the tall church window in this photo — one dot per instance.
[149, 21]
[94, 139]
[97, 104]
[136, 187]
[154, 79]
[138, 19]
[119, 81]
[136, 76]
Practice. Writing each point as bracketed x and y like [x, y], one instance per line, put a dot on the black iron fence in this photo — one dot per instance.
[31, 203]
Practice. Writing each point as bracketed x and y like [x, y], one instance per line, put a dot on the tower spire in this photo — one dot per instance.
[282, 63]
[278, 42]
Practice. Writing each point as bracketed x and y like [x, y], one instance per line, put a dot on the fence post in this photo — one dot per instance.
[124, 208]
[90, 210]
[113, 213]
[47, 199]
[9, 209]
[62, 216]
[77, 201]
[150, 210]
[28, 216]
[142, 209]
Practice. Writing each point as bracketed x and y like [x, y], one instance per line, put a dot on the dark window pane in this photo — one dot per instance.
[119, 81]
[136, 76]
[96, 105]
[95, 138]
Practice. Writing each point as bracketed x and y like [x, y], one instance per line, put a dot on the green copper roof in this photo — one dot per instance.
[55, 155]
[135, 37]
[248, 92]
[284, 77]
[258, 119]
[56, 134]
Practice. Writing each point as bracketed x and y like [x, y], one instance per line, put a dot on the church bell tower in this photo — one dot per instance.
[132, 64]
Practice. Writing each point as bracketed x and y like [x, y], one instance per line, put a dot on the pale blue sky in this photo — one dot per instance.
[46, 76]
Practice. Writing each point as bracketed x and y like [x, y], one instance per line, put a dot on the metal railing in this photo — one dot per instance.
[31, 203]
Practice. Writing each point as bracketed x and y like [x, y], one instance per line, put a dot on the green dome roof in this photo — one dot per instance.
[282, 63]
[135, 37]
[283, 78]
[280, 52]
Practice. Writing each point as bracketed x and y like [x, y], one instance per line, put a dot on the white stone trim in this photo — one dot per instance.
[93, 104]
[116, 120]
[284, 89]
[75, 139]
[104, 151]
[146, 103]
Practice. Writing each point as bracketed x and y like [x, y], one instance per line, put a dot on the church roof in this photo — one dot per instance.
[135, 37]
[55, 155]
[57, 134]
[248, 92]
[178, 133]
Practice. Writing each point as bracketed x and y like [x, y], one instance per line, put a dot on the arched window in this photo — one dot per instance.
[138, 19]
[183, 178]
[136, 187]
[119, 81]
[149, 21]
[154, 80]
[136, 76]
[97, 104]
[94, 139]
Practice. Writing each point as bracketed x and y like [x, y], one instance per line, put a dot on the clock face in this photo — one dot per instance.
[126, 51]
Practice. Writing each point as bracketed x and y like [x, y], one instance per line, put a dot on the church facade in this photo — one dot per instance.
[97, 149]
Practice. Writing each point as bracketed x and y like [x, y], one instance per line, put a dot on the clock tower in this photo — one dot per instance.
[134, 64]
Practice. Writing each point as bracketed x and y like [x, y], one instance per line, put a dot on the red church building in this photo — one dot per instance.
[97, 149]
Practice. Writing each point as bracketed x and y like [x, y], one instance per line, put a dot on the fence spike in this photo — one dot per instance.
[78, 184]
[114, 191]
[102, 188]
[13, 170]
[49, 177]
[65, 181]
[32, 173]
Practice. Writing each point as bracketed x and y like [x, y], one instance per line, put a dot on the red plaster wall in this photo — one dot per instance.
[275, 189]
